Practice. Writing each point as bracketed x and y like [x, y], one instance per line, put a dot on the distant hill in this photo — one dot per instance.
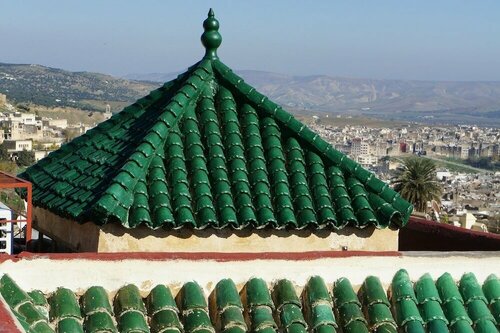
[398, 99]
[428, 101]
[56, 87]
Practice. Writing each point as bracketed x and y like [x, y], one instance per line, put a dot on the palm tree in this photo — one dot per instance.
[416, 182]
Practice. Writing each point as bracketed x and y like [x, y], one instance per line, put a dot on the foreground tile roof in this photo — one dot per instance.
[208, 150]
[423, 306]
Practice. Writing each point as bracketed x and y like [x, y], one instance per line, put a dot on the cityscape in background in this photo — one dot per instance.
[467, 156]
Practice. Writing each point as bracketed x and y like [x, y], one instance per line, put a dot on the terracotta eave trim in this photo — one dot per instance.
[8, 322]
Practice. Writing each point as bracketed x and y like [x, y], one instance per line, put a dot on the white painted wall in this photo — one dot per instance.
[80, 274]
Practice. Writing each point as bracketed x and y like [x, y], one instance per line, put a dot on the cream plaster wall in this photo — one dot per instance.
[89, 237]
[79, 274]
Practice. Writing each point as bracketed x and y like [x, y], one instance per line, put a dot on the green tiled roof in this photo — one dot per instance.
[208, 150]
[413, 307]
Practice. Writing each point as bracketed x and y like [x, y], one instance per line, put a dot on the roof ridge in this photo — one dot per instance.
[118, 197]
[381, 191]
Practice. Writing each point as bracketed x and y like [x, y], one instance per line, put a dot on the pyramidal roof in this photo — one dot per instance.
[208, 150]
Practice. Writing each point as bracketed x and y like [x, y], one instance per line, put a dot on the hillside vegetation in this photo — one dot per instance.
[56, 87]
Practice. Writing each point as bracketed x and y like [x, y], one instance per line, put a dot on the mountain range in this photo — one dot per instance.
[429, 101]
[388, 98]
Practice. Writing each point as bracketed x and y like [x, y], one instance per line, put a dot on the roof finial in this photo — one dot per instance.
[211, 38]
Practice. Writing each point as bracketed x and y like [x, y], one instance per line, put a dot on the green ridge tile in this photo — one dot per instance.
[284, 293]
[447, 288]
[455, 312]
[406, 311]
[379, 314]
[95, 299]
[426, 290]
[69, 325]
[232, 317]
[30, 313]
[372, 292]
[401, 287]
[40, 302]
[431, 310]
[261, 318]
[257, 293]
[63, 304]
[133, 321]
[350, 312]
[229, 306]
[470, 288]
[99, 322]
[344, 294]
[41, 327]
[11, 292]
[191, 297]
[128, 298]
[227, 295]
[22, 305]
[318, 305]
[160, 298]
[413, 326]
[461, 326]
[197, 320]
[478, 311]
[165, 320]
[322, 315]
[355, 327]
[291, 315]
[437, 326]
[485, 326]
[491, 289]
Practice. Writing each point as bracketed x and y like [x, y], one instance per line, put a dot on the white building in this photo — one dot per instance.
[6, 229]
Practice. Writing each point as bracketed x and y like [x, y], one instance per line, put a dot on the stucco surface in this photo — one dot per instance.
[80, 274]
[89, 237]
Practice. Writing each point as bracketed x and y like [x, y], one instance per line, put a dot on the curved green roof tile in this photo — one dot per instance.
[208, 150]
[252, 308]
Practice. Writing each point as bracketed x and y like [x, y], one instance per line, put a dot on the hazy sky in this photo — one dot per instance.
[425, 40]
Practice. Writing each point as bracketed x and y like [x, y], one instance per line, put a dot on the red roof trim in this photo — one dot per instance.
[217, 256]
[428, 225]
[424, 235]
[8, 323]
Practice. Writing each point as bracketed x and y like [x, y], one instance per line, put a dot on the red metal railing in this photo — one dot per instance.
[8, 181]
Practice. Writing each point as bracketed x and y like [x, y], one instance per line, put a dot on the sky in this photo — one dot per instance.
[387, 39]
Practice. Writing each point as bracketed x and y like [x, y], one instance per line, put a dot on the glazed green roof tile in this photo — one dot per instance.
[257, 306]
[491, 288]
[348, 306]
[208, 150]
[319, 306]
[403, 301]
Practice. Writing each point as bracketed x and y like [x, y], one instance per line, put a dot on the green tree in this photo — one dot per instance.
[416, 181]
[25, 158]
[4, 155]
